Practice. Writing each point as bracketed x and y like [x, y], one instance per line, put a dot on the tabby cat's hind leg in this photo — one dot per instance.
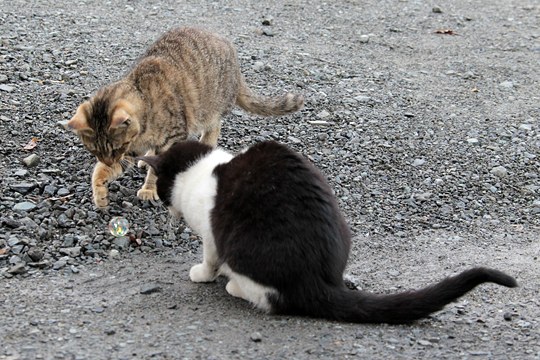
[211, 134]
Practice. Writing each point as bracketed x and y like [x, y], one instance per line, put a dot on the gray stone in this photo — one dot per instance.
[59, 264]
[3, 78]
[150, 288]
[268, 32]
[62, 192]
[473, 141]
[323, 114]
[507, 84]
[24, 206]
[15, 259]
[255, 336]
[121, 242]
[436, 10]
[71, 252]
[114, 253]
[499, 171]
[31, 160]
[49, 190]
[525, 127]
[17, 249]
[21, 173]
[418, 162]
[22, 187]
[35, 254]
[16, 269]
[362, 98]
[294, 140]
[423, 196]
[63, 221]
[364, 38]
[69, 241]
[29, 224]
[258, 66]
[6, 88]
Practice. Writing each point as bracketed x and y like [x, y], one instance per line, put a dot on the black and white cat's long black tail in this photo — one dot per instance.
[343, 304]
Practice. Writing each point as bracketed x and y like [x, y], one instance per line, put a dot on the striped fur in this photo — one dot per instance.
[182, 86]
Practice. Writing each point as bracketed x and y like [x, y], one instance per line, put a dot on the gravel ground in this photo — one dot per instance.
[424, 118]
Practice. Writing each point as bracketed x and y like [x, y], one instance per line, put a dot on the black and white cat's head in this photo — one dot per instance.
[179, 158]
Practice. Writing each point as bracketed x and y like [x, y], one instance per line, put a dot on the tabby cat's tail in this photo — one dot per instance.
[248, 100]
[361, 307]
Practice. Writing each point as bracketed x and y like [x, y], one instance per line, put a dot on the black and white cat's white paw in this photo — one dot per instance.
[202, 273]
[234, 289]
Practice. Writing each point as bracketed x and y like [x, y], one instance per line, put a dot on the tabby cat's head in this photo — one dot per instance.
[106, 127]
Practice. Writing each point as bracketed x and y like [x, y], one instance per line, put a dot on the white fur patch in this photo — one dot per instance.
[243, 287]
[194, 192]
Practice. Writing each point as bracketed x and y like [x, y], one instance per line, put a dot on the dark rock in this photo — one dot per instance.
[150, 288]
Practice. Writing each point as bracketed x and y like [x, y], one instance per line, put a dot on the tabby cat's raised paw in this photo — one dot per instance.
[101, 197]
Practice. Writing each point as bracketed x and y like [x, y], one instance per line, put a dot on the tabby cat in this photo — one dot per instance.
[182, 86]
[270, 223]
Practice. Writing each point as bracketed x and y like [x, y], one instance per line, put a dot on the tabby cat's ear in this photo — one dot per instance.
[79, 122]
[121, 114]
[152, 161]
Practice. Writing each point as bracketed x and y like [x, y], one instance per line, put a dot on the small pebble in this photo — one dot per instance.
[6, 88]
[24, 206]
[364, 38]
[499, 171]
[507, 84]
[256, 336]
[114, 253]
[150, 288]
[31, 160]
[17, 269]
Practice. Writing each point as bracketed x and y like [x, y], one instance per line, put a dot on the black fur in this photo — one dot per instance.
[276, 221]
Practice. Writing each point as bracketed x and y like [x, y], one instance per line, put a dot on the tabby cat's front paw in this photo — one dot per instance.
[202, 273]
[101, 197]
[147, 194]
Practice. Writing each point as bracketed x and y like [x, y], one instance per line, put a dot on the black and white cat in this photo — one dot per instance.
[271, 225]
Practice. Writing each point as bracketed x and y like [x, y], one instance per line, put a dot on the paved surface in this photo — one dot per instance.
[431, 142]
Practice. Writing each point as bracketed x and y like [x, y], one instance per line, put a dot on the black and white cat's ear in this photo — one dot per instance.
[79, 122]
[152, 161]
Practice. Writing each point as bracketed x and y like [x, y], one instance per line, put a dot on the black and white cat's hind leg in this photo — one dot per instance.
[243, 287]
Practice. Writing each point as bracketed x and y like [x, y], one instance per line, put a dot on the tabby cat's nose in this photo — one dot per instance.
[107, 162]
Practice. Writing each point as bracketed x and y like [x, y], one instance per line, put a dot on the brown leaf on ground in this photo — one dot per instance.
[31, 144]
